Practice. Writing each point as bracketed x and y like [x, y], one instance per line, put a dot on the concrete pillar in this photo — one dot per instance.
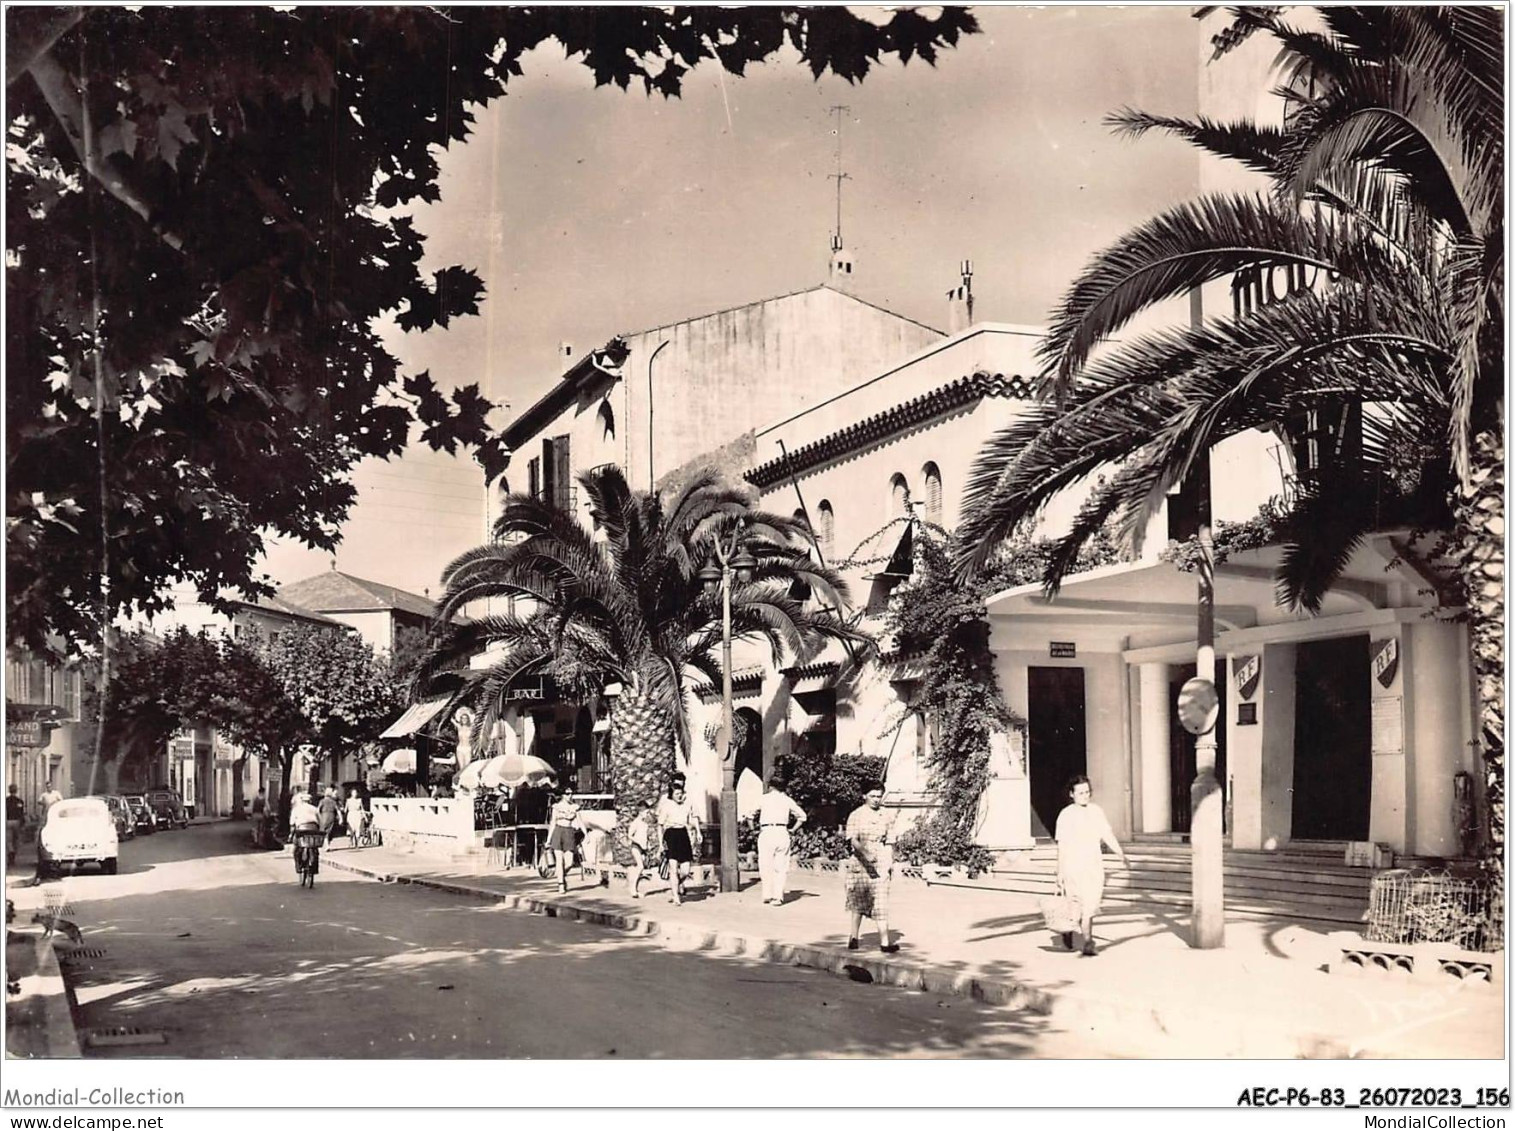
[1275, 713]
[1156, 757]
[1389, 818]
[1434, 669]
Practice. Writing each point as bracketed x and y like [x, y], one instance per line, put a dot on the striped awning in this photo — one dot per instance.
[415, 717]
[905, 669]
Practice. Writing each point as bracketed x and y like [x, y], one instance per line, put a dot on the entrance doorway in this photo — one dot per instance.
[1183, 763]
[1333, 747]
[1055, 697]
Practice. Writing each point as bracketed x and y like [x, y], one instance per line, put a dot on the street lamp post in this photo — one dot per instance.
[734, 563]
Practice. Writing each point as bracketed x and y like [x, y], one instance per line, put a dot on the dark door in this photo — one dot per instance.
[1055, 697]
[1181, 745]
[1333, 759]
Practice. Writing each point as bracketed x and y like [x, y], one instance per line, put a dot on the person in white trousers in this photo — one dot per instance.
[774, 813]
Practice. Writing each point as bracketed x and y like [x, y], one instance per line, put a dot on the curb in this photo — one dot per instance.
[1221, 1034]
[54, 1016]
[905, 975]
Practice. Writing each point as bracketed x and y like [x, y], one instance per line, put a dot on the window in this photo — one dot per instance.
[933, 477]
[826, 519]
[899, 497]
[534, 477]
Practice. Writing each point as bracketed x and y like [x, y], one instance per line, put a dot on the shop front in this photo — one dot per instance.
[1354, 724]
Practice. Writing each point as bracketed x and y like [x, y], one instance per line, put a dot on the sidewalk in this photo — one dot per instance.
[1146, 993]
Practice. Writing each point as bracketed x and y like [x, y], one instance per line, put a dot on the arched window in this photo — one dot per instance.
[826, 518]
[933, 480]
[899, 495]
[607, 420]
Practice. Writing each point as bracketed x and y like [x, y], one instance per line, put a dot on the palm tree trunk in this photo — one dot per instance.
[1479, 552]
[641, 758]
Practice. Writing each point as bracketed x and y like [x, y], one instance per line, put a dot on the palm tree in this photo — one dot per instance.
[1369, 280]
[624, 604]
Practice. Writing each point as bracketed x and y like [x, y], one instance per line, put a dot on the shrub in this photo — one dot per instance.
[808, 843]
[824, 781]
[747, 835]
[942, 842]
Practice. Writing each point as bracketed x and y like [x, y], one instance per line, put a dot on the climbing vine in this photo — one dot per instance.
[946, 621]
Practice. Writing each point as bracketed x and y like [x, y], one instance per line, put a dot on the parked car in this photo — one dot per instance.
[78, 831]
[120, 811]
[143, 819]
[168, 807]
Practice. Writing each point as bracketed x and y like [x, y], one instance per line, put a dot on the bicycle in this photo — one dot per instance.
[308, 855]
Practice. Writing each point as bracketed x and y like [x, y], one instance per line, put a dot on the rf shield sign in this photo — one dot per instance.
[1198, 706]
[1248, 670]
[1386, 660]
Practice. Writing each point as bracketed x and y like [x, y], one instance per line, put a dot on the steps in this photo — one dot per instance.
[1308, 882]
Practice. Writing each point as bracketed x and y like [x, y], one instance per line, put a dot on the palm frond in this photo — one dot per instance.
[1258, 147]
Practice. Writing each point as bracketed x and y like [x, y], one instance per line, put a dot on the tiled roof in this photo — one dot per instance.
[880, 426]
[337, 592]
[290, 609]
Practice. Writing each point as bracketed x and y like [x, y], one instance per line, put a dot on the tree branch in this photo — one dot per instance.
[62, 96]
[26, 44]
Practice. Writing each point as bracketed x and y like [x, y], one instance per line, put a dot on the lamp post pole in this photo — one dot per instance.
[730, 875]
[736, 565]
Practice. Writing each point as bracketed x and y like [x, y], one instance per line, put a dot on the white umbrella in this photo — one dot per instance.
[469, 777]
[400, 762]
[517, 769]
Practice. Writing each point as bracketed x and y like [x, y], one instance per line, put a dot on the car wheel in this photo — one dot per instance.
[109, 866]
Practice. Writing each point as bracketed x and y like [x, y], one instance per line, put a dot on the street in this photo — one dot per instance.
[218, 949]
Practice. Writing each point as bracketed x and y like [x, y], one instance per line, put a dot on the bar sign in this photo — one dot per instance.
[1064, 650]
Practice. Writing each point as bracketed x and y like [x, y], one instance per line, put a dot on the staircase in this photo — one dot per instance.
[1306, 880]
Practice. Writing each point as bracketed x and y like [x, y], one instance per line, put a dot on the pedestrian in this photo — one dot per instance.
[15, 817]
[869, 831]
[327, 814]
[260, 818]
[639, 836]
[49, 797]
[357, 817]
[774, 814]
[1082, 832]
[681, 834]
[562, 837]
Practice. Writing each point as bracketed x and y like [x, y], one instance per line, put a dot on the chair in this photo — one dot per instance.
[500, 849]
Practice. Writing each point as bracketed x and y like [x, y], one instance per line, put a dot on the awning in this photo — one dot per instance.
[415, 717]
[812, 677]
[901, 562]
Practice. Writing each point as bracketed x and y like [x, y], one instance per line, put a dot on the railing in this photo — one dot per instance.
[444, 824]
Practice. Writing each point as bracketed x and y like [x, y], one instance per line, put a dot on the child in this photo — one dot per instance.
[639, 833]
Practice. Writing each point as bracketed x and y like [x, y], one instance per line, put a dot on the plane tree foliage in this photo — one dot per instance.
[210, 213]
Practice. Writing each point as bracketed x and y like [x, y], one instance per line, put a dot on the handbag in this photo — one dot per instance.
[1062, 912]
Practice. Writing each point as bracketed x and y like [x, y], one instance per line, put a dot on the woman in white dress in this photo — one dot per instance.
[1082, 832]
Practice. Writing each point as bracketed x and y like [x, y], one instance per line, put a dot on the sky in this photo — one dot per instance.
[590, 213]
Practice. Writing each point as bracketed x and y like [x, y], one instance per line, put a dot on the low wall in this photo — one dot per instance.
[438, 828]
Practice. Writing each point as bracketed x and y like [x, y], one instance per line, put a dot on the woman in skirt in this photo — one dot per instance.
[681, 835]
[869, 831]
[563, 834]
[1083, 832]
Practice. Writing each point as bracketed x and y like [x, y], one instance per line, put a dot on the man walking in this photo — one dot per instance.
[50, 797]
[15, 817]
[774, 813]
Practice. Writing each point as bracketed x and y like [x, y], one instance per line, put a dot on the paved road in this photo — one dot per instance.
[220, 950]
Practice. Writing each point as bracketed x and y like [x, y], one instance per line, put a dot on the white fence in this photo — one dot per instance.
[442, 827]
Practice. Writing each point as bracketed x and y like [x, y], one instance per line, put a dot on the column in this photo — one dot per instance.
[1276, 696]
[1437, 729]
[1156, 758]
[1389, 820]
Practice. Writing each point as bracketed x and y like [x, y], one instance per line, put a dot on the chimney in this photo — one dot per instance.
[960, 300]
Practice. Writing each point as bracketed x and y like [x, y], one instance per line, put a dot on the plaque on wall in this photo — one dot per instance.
[1246, 714]
[1388, 724]
[1064, 650]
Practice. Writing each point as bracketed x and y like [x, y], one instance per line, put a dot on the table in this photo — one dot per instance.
[538, 834]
